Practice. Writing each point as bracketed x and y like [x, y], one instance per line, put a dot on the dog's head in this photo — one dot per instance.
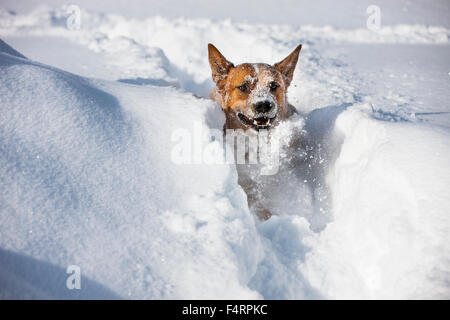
[252, 95]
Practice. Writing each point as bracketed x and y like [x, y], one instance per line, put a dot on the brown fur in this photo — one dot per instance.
[228, 78]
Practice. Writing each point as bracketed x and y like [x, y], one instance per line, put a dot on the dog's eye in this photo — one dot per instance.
[243, 87]
[273, 86]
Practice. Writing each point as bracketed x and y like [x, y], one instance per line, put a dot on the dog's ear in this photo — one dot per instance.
[287, 65]
[219, 65]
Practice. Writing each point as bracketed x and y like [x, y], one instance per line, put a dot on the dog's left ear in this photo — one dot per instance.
[287, 65]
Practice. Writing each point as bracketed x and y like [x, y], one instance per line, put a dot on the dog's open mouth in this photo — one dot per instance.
[256, 123]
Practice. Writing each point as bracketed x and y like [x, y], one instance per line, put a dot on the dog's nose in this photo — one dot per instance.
[263, 106]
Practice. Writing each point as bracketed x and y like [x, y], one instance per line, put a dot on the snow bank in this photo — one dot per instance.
[87, 180]
[390, 206]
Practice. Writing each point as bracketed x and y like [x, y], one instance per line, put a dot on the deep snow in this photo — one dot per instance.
[88, 181]
[88, 177]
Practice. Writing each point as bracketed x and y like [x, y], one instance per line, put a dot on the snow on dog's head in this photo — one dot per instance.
[252, 95]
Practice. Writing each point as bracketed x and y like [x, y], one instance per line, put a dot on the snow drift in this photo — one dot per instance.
[87, 180]
[88, 176]
[390, 230]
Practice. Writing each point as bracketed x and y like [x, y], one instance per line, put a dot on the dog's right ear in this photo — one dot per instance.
[219, 65]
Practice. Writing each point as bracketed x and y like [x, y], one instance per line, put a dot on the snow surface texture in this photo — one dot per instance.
[88, 180]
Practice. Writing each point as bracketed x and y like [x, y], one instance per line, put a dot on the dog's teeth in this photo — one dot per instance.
[255, 122]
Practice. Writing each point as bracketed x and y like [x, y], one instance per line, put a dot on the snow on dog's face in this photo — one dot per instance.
[252, 95]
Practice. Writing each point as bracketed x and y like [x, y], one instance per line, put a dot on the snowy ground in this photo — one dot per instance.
[88, 177]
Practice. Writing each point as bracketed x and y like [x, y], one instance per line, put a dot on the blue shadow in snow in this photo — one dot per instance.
[320, 150]
[23, 277]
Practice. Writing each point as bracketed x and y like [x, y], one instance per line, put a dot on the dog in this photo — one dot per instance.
[253, 97]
